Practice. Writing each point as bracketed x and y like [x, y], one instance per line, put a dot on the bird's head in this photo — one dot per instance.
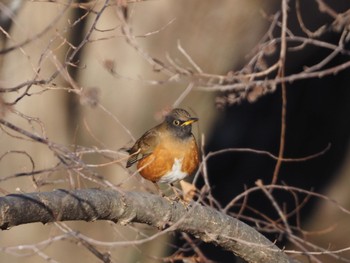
[179, 121]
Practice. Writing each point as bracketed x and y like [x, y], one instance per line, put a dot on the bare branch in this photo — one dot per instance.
[94, 204]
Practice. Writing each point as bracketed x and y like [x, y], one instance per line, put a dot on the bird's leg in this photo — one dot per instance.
[159, 190]
[178, 197]
[172, 200]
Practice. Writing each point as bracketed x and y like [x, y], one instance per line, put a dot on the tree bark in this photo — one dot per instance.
[95, 204]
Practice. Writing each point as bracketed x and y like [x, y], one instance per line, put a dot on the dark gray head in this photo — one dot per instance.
[179, 121]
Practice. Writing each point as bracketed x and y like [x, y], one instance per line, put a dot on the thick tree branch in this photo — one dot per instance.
[94, 204]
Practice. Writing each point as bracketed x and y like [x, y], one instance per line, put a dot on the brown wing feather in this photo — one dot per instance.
[143, 147]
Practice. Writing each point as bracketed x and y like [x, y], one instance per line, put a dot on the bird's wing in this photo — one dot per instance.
[143, 147]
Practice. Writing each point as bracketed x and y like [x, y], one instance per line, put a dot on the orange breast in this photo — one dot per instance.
[161, 161]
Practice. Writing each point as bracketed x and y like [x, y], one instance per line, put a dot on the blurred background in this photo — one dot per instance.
[121, 95]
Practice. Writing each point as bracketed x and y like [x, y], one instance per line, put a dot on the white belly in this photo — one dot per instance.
[175, 174]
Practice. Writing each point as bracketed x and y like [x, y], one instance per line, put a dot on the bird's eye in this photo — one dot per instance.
[176, 122]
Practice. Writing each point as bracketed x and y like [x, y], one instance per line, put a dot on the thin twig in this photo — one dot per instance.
[281, 72]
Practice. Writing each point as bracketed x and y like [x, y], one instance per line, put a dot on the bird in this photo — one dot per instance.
[168, 152]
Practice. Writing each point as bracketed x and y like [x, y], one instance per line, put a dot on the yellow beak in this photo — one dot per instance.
[190, 121]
